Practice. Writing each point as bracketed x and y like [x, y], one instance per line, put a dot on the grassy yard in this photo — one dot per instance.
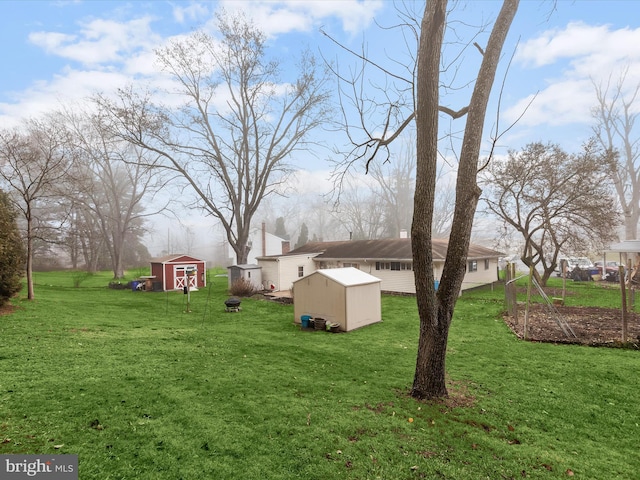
[141, 390]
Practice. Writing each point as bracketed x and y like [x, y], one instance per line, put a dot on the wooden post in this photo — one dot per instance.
[526, 311]
[514, 293]
[623, 290]
[563, 269]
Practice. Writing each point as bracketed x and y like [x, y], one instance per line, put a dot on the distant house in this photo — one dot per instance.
[172, 272]
[390, 260]
[262, 243]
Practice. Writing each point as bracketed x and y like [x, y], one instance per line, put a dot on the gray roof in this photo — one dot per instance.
[245, 266]
[384, 249]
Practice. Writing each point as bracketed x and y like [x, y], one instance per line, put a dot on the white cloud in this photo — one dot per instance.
[580, 41]
[579, 55]
[190, 13]
[69, 86]
[294, 15]
[99, 41]
[562, 102]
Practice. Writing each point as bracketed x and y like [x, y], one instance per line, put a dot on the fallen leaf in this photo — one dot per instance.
[410, 420]
[510, 427]
[58, 447]
[569, 472]
[415, 467]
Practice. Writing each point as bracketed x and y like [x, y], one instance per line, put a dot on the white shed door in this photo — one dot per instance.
[180, 277]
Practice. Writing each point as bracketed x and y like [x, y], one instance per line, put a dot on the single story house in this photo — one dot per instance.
[261, 243]
[390, 260]
[172, 272]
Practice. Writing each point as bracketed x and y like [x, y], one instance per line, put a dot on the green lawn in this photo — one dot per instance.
[141, 390]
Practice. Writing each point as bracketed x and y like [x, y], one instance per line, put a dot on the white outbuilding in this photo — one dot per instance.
[347, 296]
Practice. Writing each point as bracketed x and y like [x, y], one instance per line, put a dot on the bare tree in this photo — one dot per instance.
[555, 201]
[361, 209]
[417, 88]
[84, 238]
[615, 115]
[113, 182]
[33, 162]
[395, 181]
[237, 127]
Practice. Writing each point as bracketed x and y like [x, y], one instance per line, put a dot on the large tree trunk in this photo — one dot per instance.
[436, 311]
[30, 290]
[429, 375]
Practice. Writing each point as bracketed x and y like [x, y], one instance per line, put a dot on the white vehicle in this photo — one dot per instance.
[572, 262]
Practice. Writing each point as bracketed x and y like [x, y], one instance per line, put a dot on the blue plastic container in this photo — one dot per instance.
[304, 321]
[134, 285]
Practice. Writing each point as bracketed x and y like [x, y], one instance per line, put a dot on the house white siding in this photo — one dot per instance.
[486, 273]
[270, 272]
[393, 280]
[388, 260]
[285, 270]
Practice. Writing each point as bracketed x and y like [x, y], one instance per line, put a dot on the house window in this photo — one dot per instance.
[486, 264]
[301, 271]
[473, 265]
[396, 266]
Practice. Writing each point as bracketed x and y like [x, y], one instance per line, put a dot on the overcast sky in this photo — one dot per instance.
[56, 51]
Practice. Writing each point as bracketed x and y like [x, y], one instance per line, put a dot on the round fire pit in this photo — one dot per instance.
[232, 304]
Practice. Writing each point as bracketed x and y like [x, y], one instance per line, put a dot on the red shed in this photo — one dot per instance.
[172, 271]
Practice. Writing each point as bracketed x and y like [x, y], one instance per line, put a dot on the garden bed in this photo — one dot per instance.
[592, 325]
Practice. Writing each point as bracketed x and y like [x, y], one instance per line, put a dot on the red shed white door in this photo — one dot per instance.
[180, 276]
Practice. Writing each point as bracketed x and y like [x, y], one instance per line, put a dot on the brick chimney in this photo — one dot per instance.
[286, 247]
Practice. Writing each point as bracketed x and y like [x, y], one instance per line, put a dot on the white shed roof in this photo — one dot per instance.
[348, 276]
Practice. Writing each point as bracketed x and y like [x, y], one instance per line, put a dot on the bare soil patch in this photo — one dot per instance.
[592, 325]
[7, 309]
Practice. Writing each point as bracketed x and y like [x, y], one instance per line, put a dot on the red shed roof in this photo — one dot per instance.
[176, 258]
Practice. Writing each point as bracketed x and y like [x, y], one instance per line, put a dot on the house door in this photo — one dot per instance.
[180, 277]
